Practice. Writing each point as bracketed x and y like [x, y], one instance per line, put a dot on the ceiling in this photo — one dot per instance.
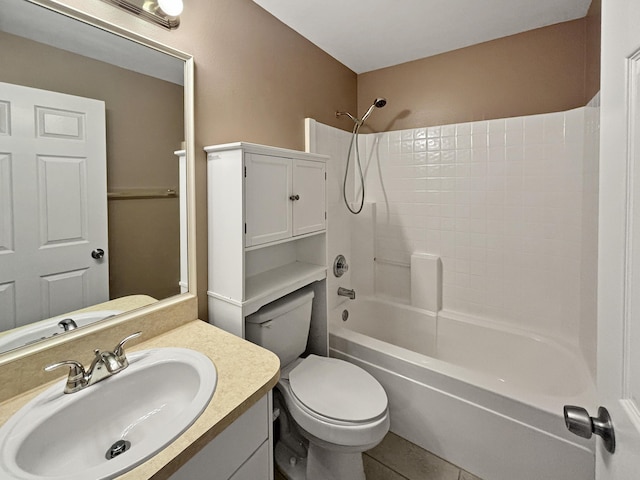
[367, 35]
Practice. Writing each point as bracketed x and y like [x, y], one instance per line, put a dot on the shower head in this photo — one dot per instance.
[380, 102]
[377, 103]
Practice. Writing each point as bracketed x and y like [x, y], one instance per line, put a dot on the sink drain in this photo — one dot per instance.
[117, 448]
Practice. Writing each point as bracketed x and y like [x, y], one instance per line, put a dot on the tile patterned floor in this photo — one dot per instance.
[398, 459]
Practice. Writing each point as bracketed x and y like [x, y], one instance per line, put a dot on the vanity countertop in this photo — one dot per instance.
[246, 373]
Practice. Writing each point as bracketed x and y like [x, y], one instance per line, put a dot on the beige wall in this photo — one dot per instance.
[538, 71]
[144, 119]
[592, 67]
[256, 80]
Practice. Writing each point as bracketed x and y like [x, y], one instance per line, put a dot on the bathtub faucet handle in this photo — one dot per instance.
[340, 266]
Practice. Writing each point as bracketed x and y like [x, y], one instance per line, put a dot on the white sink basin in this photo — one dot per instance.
[61, 436]
[49, 327]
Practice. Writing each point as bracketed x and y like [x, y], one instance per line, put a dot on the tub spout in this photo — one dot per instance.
[347, 292]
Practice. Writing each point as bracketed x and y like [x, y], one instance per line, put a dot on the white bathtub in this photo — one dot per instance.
[484, 397]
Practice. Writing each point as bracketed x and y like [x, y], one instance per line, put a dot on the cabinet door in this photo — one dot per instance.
[239, 448]
[267, 204]
[257, 467]
[309, 188]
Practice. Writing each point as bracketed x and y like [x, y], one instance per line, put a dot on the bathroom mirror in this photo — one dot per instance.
[146, 90]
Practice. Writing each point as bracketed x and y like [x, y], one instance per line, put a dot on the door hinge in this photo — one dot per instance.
[325, 215]
[245, 172]
[325, 176]
[245, 228]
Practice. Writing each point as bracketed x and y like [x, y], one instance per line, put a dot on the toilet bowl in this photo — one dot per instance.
[334, 408]
[339, 409]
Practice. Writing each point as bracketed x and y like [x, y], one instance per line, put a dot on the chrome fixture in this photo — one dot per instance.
[579, 422]
[377, 103]
[103, 366]
[345, 315]
[347, 292]
[340, 266]
[67, 324]
[117, 448]
[98, 253]
[165, 13]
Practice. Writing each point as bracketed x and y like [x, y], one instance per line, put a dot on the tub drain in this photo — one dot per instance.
[117, 448]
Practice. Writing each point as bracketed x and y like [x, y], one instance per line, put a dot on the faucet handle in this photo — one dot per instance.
[77, 375]
[118, 351]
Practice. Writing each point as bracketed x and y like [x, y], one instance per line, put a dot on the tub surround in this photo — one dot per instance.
[504, 203]
[246, 373]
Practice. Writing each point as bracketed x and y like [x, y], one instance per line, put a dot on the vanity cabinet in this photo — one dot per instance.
[243, 451]
[267, 227]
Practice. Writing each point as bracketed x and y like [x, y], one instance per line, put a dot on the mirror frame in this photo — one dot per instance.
[191, 295]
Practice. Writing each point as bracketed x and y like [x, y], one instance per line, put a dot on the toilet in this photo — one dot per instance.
[331, 410]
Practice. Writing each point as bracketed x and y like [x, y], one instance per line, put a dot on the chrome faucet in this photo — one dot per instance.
[347, 292]
[67, 324]
[104, 365]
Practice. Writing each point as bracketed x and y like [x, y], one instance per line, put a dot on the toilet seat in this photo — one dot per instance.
[361, 432]
[337, 390]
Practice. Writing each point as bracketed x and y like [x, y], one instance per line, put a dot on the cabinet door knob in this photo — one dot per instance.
[293, 198]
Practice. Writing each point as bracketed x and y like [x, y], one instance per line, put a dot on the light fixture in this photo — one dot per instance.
[165, 13]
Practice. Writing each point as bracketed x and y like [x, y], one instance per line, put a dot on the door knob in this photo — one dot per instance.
[98, 253]
[579, 422]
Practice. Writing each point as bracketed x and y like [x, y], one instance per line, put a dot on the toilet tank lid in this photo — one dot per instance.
[281, 306]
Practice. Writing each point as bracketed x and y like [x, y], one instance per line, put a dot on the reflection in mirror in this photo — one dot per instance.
[89, 180]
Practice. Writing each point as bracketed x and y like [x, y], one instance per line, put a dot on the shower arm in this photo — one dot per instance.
[339, 114]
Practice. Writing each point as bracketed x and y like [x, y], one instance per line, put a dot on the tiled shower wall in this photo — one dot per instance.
[335, 143]
[502, 202]
[589, 266]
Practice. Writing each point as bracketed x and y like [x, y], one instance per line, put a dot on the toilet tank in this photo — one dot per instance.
[282, 326]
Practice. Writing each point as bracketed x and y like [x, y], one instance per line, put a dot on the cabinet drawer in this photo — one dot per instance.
[229, 450]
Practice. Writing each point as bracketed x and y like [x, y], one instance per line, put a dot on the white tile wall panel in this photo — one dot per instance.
[505, 203]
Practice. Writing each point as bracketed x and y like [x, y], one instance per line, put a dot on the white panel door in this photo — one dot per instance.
[309, 193]
[267, 198]
[619, 240]
[53, 207]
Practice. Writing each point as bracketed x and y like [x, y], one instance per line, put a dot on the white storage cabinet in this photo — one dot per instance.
[267, 227]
